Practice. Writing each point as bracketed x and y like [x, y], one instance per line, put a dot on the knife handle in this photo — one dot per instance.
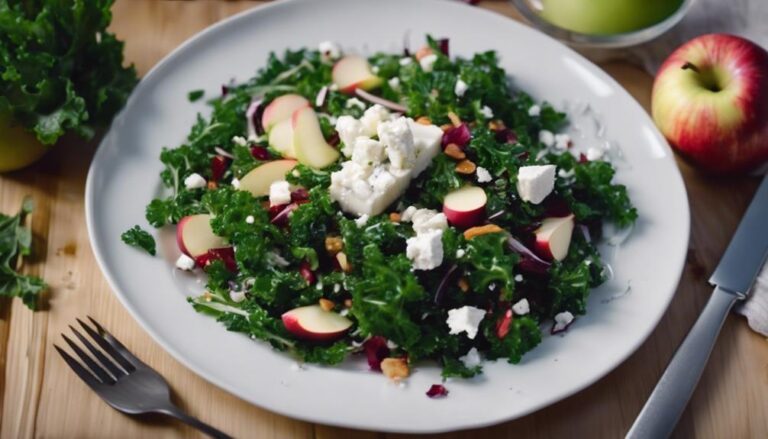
[668, 400]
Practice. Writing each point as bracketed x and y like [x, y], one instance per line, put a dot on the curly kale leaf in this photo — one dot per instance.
[15, 243]
[139, 238]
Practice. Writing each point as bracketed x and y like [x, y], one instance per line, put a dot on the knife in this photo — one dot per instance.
[732, 280]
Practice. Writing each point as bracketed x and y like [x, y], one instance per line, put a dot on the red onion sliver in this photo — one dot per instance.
[250, 117]
[320, 98]
[585, 231]
[518, 246]
[496, 215]
[223, 153]
[381, 101]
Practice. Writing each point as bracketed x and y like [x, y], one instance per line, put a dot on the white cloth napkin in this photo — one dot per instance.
[755, 308]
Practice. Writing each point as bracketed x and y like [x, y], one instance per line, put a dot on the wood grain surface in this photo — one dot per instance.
[43, 398]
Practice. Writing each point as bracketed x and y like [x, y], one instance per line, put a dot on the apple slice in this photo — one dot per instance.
[553, 237]
[281, 138]
[308, 142]
[313, 323]
[261, 177]
[195, 236]
[465, 207]
[353, 72]
[281, 109]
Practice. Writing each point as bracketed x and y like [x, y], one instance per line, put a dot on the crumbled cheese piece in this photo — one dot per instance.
[460, 88]
[240, 141]
[471, 358]
[355, 102]
[185, 263]
[195, 181]
[362, 220]
[329, 50]
[276, 259]
[486, 111]
[407, 214]
[566, 174]
[250, 219]
[394, 83]
[562, 141]
[253, 138]
[398, 138]
[534, 111]
[336, 288]
[236, 183]
[460, 253]
[425, 220]
[372, 117]
[362, 189]
[368, 152]
[425, 250]
[522, 307]
[381, 179]
[547, 138]
[333, 87]
[465, 319]
[406, 60]
[483, 176]
[375, 70]
[534, 183]
[428, 62]
[518, 278]
[237, 296]
[349, 129]
[594, 154]
[279, 193]
[562, 320]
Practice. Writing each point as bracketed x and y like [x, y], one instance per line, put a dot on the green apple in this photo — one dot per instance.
[18, 147]
[606, 17]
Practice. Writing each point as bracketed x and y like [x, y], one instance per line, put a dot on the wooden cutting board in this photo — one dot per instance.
[43, 398]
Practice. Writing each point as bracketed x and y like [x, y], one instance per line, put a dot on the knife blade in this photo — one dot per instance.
[748, 249]
[733, 278]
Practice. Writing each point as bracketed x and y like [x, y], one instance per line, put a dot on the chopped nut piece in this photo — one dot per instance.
[446, 127]
[395, 368]
[481, 230]
[212, 185]
[496, 125]
[348, 303]
[334, 244]
[463, 284]
[424, 120]
[327, 305]
[341, 258]
[394, 217]
[465, 167]
[454, 118]
[453, 151]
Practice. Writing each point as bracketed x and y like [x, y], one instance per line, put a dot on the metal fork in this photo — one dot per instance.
[122, 380]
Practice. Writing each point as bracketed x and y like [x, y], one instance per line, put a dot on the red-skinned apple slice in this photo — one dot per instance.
[308, 142]
[281, 109]
[353, 72]
[313, 323]
[553, 237]
[465, 207]
[195, 236]
[281, 138]
[260, 178]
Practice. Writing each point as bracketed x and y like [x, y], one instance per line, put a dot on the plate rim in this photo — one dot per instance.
[167, 61]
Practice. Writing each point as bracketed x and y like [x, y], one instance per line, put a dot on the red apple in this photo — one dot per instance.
[465, 207]
[314, 323]
[281, 109]
[553, 237]
[261, 177]
[195, 236]
[710, 100]
[353, 72]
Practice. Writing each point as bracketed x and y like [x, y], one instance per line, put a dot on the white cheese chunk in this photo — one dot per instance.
[394, 83]
[562, 141]
[236, 183]
[355, 102]
[368, 152]
[428, 62]
[471, 358]
[279, 193]
[364, 190]
[240, 141]
[398, 138]
[546, 137]
[486, 112]
[427, 141]
[372, 117]
[425, 250]
[237, 296]
[460, 253]
[185, 263]
[460, 88]
[522, 307]
[534, 111]
[195, 181]
[250, 219]
[534, 183]
[349, 130]
[406, 61]
[465, 319]
[425, 220]
[562, 320]
[407, 214]
[329, 50]
[594, 154]
[362, 220]
[483, 176]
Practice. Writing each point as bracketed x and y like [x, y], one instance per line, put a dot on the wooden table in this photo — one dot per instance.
[43, 398]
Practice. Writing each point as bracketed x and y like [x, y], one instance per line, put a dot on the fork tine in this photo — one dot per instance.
[106, 362]
[95, 368]
[78, 368]
[116, 344]
[107, 346]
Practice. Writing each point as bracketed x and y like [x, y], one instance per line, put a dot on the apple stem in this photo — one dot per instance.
[691, 66]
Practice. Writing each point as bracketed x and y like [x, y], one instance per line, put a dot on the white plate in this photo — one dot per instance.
[124, 177]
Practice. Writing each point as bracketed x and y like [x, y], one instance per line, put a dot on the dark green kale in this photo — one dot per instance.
[16, 243]
[195, 95]
[139, 238]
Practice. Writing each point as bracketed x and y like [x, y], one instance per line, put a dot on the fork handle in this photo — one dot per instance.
[179, 414]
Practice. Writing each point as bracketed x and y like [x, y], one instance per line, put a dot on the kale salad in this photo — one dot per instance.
[402, 206]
